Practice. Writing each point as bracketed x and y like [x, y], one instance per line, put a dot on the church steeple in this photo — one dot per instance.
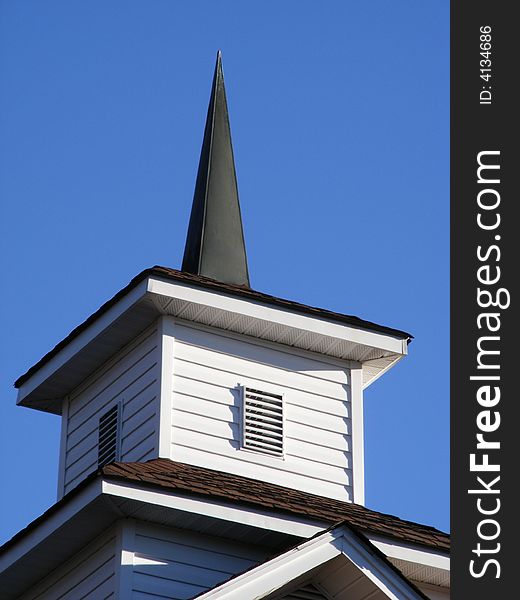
[215, 245]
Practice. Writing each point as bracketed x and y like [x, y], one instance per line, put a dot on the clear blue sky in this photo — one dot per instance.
[340, 122]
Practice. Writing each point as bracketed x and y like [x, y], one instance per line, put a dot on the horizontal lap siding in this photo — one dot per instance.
[170, 563]
[206, 412]
[131, 377]
[90, 575]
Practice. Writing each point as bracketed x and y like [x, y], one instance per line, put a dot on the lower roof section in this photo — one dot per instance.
[174, 476]
[161, 291]
[339, 562]
[206, 501]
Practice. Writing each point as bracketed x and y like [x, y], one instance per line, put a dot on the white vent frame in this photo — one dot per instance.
[112, 431]
[266, 447]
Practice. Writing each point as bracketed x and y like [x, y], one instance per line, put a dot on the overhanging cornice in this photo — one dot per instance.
[159, 291]
[98, 503]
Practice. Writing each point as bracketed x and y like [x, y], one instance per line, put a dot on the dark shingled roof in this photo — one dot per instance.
[205, 282]
[170, 475]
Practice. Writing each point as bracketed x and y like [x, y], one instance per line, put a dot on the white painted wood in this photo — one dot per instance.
[79, 342]
[50, 525]
[291, 350]
[358, 435]
[130, 378]
[374, 369]
[279, 571]
[262, 518]
[68, 527]
[426, 567]
[124, 575]
[88, 575]
[166, 345]
[342, 580]
[391, 584]
[272, 575]
[172, 563]
[411, 553]
[278, 315]
[156, 296]
[206, 411]
[217, 444]
[63, 444]
[212, 383]
[421, 573]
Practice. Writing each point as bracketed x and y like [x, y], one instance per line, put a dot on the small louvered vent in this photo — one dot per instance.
[262, 421]
[108, 436]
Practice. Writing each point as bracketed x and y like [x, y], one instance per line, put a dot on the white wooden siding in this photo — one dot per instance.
[89, 575]
[169, 563]
[130, 377]
[208, 368]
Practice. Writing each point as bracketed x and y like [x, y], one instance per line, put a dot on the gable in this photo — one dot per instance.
[337, 579]
[340, 563]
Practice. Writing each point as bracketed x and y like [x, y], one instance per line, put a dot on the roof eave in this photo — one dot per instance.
[159, 291]
[99, 501]
[102, 499]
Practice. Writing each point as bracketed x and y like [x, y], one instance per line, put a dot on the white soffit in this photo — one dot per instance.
[155, 296]
[415, 562]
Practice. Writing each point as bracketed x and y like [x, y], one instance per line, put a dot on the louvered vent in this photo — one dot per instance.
[108, 444]
[262, 421]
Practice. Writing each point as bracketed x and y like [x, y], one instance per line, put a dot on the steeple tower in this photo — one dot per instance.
[207, 428]
[215, 242]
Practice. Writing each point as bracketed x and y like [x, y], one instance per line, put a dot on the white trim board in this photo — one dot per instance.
[271, 314]
[63, 445]
[103, 487]
[125, 558]
[341, 363]
[254, 517]
[166, 345]
[78, 343]
[155, 296]
[50, 525]
[358, 436]
[70, 524]
[411, 553]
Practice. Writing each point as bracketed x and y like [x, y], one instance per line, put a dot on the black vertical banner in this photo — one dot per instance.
[485, 268]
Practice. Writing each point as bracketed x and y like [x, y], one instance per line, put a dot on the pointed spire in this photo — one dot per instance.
[215, 242]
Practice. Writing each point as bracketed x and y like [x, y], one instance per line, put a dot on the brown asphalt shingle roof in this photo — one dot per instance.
[171, 475]
[217, 286]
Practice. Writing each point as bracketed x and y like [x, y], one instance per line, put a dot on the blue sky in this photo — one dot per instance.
[340, 120]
